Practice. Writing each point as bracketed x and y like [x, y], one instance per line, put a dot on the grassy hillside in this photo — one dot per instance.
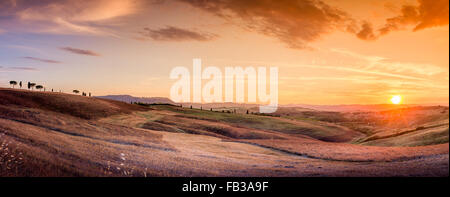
[79, 106]
[385, 128]
[237, 125]
[55, 134]
[419, 137]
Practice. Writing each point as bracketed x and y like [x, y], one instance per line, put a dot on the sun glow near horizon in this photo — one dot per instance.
[396, 99]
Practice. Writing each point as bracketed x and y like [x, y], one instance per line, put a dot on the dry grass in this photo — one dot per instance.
[350, 152]
[53, 134]
[318, 130]
[74, 105]
[421, 137]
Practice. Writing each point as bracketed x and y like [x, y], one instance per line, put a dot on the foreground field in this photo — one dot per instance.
[53, 134]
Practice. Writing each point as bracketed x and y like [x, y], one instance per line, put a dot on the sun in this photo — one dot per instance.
[396, 99]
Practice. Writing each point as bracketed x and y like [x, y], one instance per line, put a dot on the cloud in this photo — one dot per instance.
[23, 68]
[376, 64]
[80, 51]
[74, 10]
[42, 60]
[66, 16]
[432, 13]
[429, 13]
[299, 22]
[16, 68]
[25, 48]
[295, 23]
[366, 32]
[66, 27]
[171, 33]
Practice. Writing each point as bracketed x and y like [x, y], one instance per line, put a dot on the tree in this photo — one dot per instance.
[32, 85]
[39, 87]
[13, 83]
[76, 91]
[29, 85]
[20, 84]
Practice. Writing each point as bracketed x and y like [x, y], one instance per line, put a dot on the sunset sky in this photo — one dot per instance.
[327, 52]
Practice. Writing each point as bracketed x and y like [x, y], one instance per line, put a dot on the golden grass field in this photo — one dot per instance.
[56, 134]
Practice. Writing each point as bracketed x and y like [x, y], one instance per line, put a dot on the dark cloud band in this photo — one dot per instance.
[42, 60]
[171, 33]
[80, 51]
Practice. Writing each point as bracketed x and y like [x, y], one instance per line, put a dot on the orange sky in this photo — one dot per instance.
[327, 52]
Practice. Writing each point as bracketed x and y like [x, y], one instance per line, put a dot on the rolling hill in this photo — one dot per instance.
[132, 99]
[56, 134]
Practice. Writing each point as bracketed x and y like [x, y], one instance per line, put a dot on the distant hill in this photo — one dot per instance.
[302, 107]
[226, 105]
[254, 107]
[129, 99]
[351, 108]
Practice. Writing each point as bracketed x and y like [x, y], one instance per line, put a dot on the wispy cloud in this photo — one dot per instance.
[171, 33]
[67, 27]
[386, 65]
[23, 68]
[17, 68]
[42, 60]
[367, 71]
[68, 16]
[80, 51]
[364, 79]
[25, 48]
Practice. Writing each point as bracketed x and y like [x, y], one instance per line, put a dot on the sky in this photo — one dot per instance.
[327, 52]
